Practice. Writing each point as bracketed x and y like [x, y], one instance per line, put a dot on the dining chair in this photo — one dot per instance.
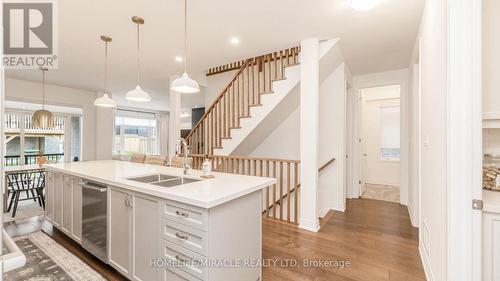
[138, 158]
[31, 182]
[155, 160]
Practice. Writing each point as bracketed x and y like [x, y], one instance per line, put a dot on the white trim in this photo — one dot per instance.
[464, 137]
[425, 263]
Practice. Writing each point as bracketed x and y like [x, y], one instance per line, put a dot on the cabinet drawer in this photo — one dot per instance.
[174, 274]
[186, 214]
[194, 263]
[185, 236]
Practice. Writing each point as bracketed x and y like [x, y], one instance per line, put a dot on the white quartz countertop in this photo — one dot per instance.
[206, 193]
[491, 201]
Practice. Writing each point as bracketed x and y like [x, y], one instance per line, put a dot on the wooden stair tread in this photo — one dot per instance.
[278, 79]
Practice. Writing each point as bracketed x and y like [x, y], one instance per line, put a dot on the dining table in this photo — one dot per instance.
[14, 169]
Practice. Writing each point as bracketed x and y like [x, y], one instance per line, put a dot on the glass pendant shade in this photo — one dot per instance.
[105, 101]
[43, 119]
[138, 94]
[185, 85]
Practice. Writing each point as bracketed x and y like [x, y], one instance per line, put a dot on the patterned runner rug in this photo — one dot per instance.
[46, 260]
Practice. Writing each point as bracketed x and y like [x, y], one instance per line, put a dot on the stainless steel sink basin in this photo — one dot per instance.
[153, 178]
[174, 182]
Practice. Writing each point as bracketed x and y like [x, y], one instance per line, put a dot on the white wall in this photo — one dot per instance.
[332, 137]
[433, 220]
[491, 56]
[20, 90]
[377, 171]
[215, 84]
[393, 77]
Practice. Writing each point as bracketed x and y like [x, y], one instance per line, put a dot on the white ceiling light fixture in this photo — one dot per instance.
[105, 100]
[178, 59]
[184, 84]
[234, 41]
[362, 5]
[185, 114]
[43, 118]
[138, 94]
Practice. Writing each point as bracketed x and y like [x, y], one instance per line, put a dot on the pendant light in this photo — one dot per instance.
[138, 94]
[43, 118]
[184, 84]
[105, 100]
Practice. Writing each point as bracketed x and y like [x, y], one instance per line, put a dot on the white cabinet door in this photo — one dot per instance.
[145, 237]
[67, 204]
[58, 200]
[49, 196]
[120, 234]
[491, 246]
[77, 210]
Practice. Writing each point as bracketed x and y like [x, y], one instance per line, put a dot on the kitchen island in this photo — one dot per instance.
[152, 222]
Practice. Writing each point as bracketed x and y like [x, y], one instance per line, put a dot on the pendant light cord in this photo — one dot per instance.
[43, 88]
[105, 67]
[138, 58]
[185, 36]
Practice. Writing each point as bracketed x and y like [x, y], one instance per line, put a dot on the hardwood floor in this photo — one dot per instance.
[375, 237]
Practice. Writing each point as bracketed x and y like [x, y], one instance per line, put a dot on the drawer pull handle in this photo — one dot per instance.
[180, 236]
[181, 214]
[178, 258]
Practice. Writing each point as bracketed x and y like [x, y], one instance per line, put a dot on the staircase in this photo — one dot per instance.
[244, 102]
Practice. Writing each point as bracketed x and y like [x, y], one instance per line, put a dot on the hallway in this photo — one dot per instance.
[376, 237]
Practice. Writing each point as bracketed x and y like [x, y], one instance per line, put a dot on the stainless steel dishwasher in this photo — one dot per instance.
[94, 218]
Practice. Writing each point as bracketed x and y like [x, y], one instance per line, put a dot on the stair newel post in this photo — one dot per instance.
[296, 197]
[252, 63]
[247, 70]
[274, 189]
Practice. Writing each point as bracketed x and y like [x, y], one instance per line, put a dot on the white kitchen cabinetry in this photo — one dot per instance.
[134, 221]
[491, 236]
[63, 204]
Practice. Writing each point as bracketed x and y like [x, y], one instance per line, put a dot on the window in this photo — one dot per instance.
[389, 133]
[24, 144]
[135, 132]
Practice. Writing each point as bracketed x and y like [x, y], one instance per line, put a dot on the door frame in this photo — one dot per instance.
[394, 77]
[464, 140]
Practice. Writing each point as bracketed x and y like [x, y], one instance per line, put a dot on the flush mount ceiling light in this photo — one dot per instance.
[184, 84]
[178, 59]
[105, 100]
[362, 5]
[234, 41]
[43, 118]
[138, 94]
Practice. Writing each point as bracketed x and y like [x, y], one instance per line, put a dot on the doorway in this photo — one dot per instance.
[380, 143]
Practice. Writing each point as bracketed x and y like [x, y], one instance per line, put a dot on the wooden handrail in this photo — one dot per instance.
[285, 171]
[326, 165]
[236, 65]
[254, 78]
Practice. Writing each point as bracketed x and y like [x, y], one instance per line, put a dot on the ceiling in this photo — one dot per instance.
[377, 40]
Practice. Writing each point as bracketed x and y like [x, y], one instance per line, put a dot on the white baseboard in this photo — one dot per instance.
[425, 262]
[410, 214]
[310, 225]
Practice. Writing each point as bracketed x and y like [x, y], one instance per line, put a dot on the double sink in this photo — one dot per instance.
[163, 180]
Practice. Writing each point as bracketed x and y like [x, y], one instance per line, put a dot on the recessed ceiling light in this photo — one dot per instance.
[178, 59]
[234, 41]
[362, 5]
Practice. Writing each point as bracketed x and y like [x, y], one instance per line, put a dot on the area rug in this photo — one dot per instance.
[381, 192]
[46, 260]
